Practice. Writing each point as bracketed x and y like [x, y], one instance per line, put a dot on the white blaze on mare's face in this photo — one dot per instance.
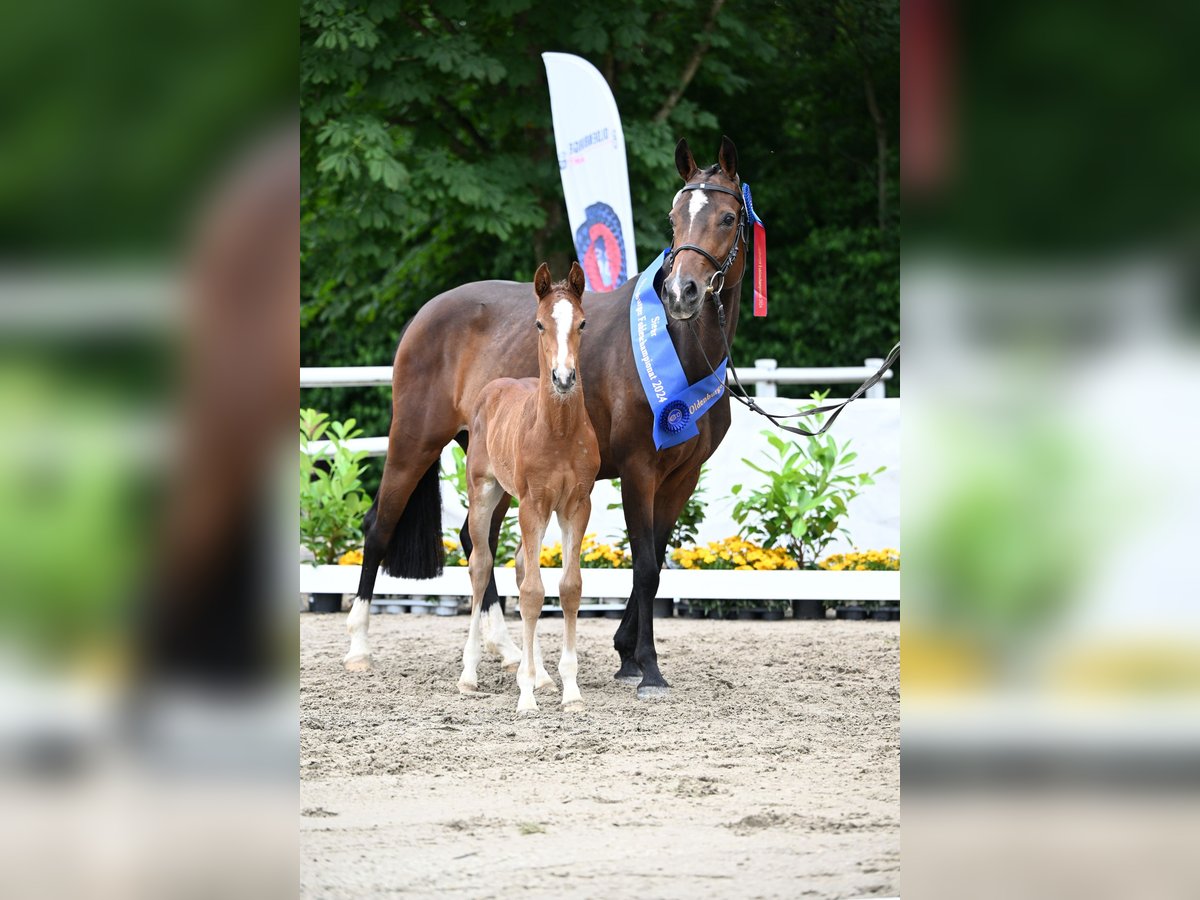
[696, 202]
[564, 315]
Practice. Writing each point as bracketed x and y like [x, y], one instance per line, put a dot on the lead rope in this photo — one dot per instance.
[743, 397]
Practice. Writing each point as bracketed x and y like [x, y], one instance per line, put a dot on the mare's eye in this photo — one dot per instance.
[728, 220]
[541, 327]
[581, 324]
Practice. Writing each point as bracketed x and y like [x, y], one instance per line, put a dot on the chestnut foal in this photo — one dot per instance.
[531, 438]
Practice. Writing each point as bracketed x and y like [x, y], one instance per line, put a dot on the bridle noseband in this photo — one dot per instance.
[716, 281]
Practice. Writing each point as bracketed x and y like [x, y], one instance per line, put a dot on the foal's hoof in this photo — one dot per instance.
[629, 673]
[546, 684]
[359, 663]
[511, 665]
[468, 687]
[653, 691]
[574, 706]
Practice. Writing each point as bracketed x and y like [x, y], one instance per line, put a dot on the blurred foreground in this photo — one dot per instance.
[148, 346]
[1051, 638]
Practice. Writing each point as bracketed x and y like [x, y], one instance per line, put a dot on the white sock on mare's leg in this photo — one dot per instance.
[357, 623]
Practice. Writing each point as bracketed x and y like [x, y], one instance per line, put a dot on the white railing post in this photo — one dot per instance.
[876, 391]
[766, 388]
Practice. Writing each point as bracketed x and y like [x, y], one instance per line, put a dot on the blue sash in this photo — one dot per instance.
[676, 405]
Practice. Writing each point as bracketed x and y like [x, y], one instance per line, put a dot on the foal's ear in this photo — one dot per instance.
[728, 158]
[683, 160]
[575, 280]
[541, 280]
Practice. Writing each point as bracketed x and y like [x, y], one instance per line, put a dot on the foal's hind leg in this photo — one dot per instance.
[485, 494]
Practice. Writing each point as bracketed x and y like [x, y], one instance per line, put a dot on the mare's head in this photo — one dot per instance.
[706, 221]
[560, 325]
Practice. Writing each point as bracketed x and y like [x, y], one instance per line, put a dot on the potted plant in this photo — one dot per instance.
[800, 506]
[332, 502]
[885, 560]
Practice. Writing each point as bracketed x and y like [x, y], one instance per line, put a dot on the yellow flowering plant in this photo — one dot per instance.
[885, 560]
[592, 555]
[734, 553]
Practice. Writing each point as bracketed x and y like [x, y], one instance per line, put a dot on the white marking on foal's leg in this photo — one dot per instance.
[359, 657]
[468, 682]
[568, 669]
[499, 641]
[564, 315]
[543, 677]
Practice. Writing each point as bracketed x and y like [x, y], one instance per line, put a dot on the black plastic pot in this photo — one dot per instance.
[696, 612]
[614, 613]
[551, 612]
[590, 612]
[324, 603]
[886, 613]
[853, 613]
[808, 609]
[772, 615]
[750, 612]
[664, 607]
[729, 614]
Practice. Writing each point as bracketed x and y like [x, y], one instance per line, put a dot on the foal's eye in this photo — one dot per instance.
[541, 327]
[728, 220]
[581, 324]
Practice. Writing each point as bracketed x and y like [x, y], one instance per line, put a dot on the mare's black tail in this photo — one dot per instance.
[416, 550]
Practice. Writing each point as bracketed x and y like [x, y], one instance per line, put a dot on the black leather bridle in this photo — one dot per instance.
[716, 281]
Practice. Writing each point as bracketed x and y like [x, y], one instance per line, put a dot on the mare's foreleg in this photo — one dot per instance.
[634, 640]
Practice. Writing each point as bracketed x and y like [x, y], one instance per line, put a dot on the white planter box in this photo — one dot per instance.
[682, 583]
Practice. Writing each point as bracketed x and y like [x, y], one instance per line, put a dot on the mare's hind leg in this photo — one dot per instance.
[570, 590]
[485, 495]
[379, 525]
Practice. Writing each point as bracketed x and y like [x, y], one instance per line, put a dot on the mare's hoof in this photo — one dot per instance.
[573, 707]
[629, 673]
[546, 684]
[653, 691]
[360, 663]
[468, 687]
[511, 667]
[527, 709]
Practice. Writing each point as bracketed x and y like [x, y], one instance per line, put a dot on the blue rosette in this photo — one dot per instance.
[674, 416]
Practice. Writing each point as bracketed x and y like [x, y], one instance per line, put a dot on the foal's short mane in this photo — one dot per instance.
[560, 287]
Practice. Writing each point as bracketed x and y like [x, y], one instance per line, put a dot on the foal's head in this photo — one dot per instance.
[559, 321]
[706, 225]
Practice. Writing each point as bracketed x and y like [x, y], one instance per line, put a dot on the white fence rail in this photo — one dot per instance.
[679, 583]
[765, 376]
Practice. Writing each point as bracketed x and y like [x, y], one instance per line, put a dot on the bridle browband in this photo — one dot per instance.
[716, 281]
[714, 289]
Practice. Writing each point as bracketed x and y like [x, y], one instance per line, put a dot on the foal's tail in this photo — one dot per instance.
[415, 549]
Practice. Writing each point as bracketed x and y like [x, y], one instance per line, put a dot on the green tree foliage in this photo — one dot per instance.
[428, 158]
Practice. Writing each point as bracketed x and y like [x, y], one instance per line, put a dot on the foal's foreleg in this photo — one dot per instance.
[569, 591]
[533, 594]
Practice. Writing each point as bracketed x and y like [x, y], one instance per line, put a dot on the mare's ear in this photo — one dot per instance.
[575, 280]
[728, 158]
[683, 160]
[541, 281]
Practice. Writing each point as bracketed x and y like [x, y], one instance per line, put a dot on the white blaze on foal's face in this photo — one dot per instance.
[564, 318]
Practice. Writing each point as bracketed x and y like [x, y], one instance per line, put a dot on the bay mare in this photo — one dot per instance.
[464, 338]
